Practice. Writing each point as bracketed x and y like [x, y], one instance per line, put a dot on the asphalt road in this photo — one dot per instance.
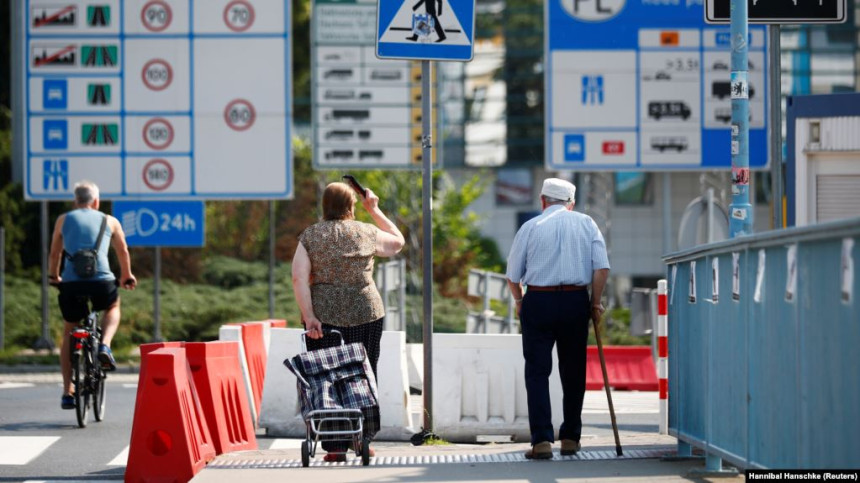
[39, 441]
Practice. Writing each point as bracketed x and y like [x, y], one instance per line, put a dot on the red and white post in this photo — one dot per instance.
[663, 354]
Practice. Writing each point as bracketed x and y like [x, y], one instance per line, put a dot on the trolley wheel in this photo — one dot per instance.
[365, 451]
[306, 454]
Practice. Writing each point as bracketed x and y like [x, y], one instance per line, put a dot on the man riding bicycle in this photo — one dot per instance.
[78, 231]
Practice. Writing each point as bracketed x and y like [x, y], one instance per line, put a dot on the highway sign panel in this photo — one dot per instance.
[152, 100]
[654, 95]
[780, 12]
[162, 223]
[425, 29]
[365, 110]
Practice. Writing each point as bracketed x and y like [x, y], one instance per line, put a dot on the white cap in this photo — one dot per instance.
[558, 189]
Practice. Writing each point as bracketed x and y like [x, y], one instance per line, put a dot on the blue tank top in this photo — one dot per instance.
[80, 229]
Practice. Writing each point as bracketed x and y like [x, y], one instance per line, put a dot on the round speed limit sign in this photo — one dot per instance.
[240, 115]
[158, 133]
[157, 74]
[239, 15]
[156, 15]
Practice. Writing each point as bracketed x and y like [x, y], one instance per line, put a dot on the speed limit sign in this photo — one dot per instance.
[158, 133]
[156, 15]
[240, 114]
[239, 15]
[157, 74]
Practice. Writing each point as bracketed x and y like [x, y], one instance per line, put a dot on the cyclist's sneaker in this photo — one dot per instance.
[106, 358]
[68, 402]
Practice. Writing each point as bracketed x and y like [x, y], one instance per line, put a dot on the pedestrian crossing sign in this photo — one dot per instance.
[425, 29]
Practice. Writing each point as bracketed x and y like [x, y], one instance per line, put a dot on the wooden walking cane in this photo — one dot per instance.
[606, 386]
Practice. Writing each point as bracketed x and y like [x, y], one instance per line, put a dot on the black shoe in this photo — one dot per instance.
[106, 358]
[413, 38]
[68, 402]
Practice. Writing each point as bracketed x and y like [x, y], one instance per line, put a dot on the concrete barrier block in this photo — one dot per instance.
[415, 361]
[479, 387]
[233, 333]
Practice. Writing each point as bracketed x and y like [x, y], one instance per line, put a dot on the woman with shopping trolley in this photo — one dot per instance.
[333, 276]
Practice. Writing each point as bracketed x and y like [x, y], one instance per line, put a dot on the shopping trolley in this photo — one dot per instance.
[338, 396]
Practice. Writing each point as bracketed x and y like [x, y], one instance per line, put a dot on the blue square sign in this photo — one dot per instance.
[425, 29]
[55, 134]
[55, 94]
[574, 148]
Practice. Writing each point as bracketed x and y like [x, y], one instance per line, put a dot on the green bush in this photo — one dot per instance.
[226, 272]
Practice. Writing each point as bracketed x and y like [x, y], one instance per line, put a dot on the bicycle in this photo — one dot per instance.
[88, 377]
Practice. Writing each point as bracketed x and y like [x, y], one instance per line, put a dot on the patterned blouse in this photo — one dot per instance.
[342, 252]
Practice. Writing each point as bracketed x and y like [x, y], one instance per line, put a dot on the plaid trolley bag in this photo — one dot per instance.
[338, 397]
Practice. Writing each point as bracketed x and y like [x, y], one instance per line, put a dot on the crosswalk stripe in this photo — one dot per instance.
[285, 443]
[121, 459]
[20, 450]
[15, 385]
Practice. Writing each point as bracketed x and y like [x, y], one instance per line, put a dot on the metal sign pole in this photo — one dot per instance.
[775, 124]
[271, 259]
[741, 214]
[2, 285]
[427, 215]
[156, 299]
[44, 342]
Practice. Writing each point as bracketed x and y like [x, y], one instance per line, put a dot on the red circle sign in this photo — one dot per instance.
[239, 15]
[156, 16]
[158, 133]
[240, 115]
[157, 74]
[158, 174]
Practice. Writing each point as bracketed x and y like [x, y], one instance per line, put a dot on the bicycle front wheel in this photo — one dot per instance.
[82, 392]
[98, 393]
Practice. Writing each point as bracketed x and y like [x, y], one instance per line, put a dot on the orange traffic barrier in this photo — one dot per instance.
[628, 368]
[218, 378]
[278, 323]
[255, 356]
[169, 438]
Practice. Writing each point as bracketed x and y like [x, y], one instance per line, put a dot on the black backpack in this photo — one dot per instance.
[85, 261]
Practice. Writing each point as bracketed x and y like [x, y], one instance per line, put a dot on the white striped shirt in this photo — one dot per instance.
[558, 247]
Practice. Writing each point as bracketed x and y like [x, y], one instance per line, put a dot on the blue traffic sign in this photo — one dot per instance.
[161, 223]
[55, 94]
[425, 29]
[653, 95]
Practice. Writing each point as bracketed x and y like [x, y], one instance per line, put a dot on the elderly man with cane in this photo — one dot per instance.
[556, 255]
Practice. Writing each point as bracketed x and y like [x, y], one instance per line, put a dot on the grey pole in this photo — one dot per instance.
[156, 299]
[741, 219]
[44, 342]
[271, 259]
[427, 215]
[401, 294]
[2, 285]
[667, 212]
[775, 123]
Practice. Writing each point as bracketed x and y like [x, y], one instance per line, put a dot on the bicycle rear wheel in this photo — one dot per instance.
[98, 393]
[82, 392]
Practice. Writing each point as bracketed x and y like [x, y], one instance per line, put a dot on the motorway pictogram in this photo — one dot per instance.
[157, 74]
[158, 133]
[158, 174]
[239, 15]
[156, 15]
[240, 115]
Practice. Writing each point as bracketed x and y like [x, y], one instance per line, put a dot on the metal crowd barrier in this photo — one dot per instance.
[764, 348]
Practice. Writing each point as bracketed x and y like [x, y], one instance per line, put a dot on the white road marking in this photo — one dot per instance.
[283, 443]
[14, 385]
[130, 386]
[121, 459]
[20, 450]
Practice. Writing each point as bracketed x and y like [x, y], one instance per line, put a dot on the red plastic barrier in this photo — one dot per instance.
[628, 367]
[255, 356]
[169, 437]
[220, 385]
[278, 323]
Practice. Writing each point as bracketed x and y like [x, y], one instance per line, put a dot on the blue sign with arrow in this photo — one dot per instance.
[425, 29]
[161, 223]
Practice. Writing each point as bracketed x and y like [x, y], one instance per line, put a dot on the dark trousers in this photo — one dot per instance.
[548, 319]
[370, 335]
